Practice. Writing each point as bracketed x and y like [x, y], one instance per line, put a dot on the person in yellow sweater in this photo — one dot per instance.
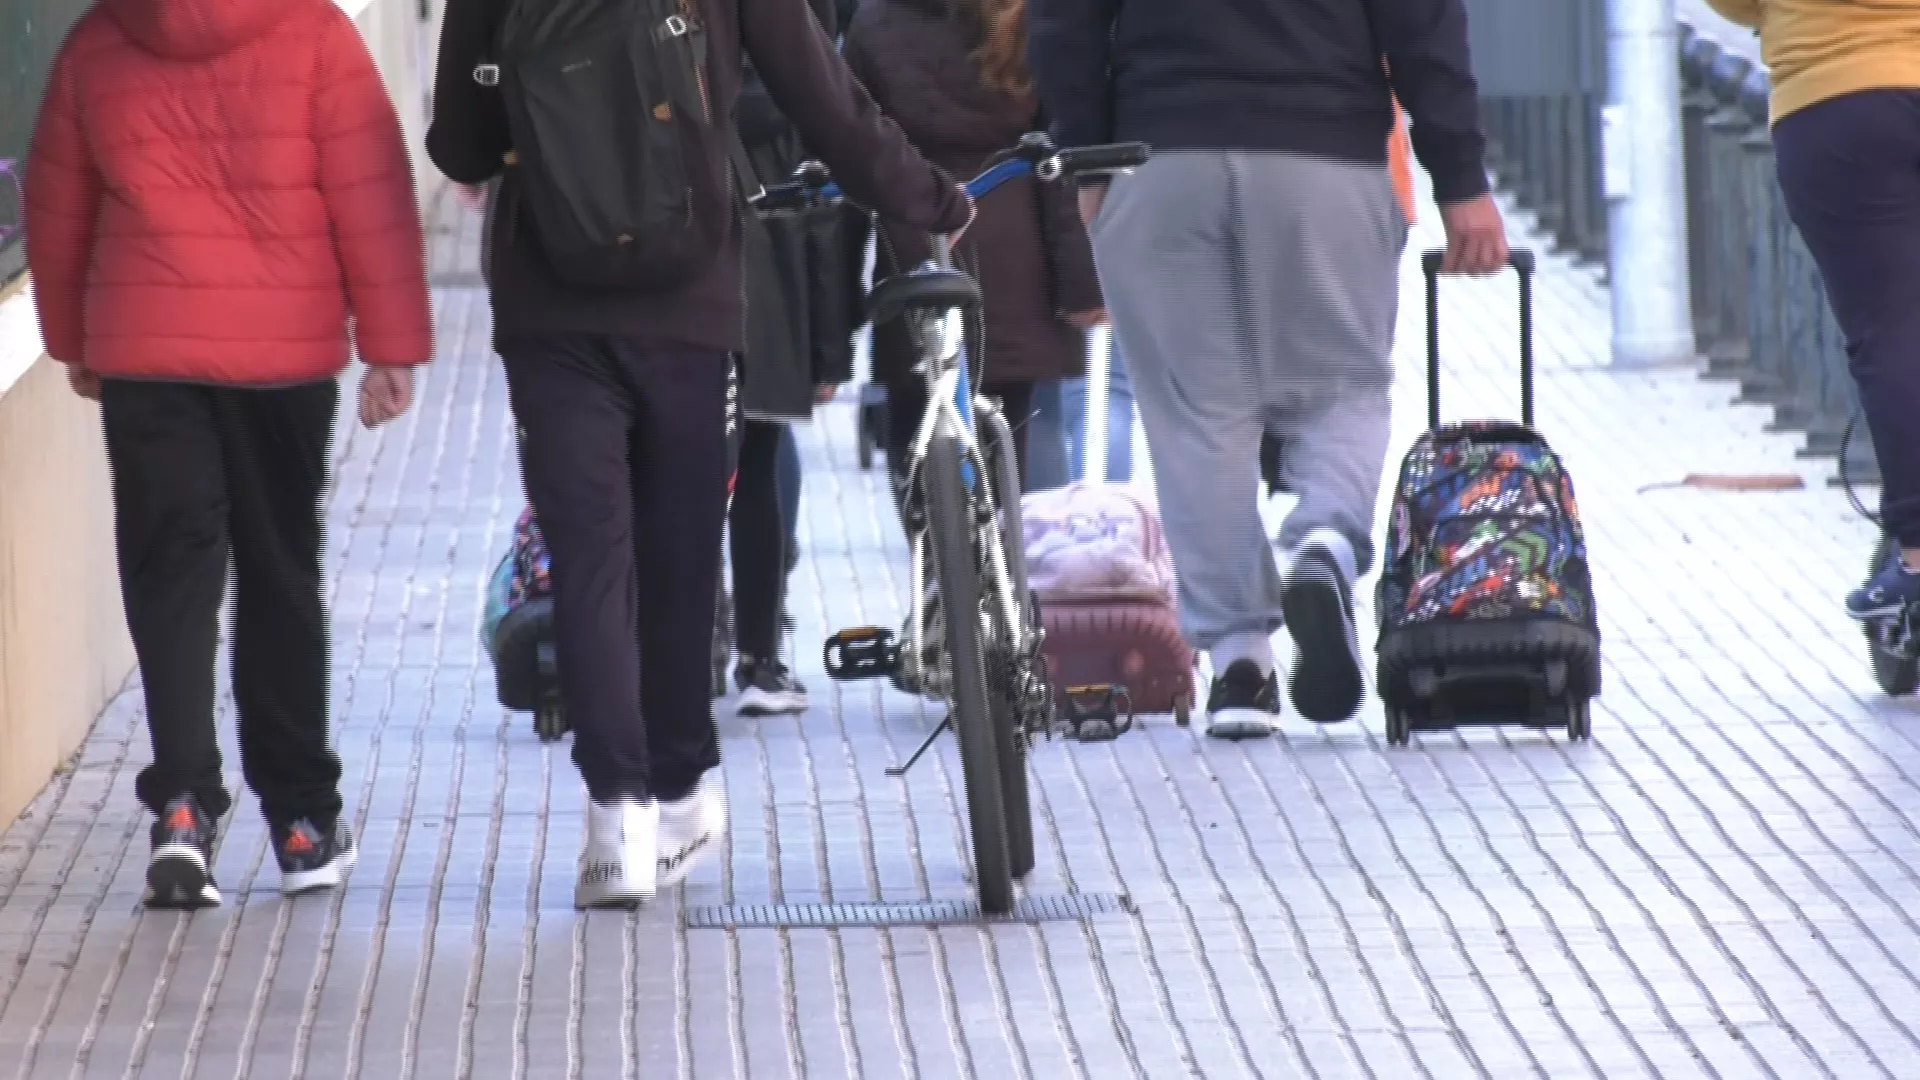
[1846, 137]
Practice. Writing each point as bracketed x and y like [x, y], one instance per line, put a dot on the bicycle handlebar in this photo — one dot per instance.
[1034, 156]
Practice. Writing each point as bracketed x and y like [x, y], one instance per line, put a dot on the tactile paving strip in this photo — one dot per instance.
[1029, 909]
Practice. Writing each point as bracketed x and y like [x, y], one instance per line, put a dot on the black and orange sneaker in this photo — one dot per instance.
[181, 873]
[311, 857]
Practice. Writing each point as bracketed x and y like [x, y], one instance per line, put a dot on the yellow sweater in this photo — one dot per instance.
[1820, 49]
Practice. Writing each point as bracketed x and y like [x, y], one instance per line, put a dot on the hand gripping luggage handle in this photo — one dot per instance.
[1521, 259]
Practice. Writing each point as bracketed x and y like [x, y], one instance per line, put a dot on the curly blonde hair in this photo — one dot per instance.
[1002, 53]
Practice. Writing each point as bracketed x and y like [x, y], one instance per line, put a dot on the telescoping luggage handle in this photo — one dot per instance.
[1521, 260]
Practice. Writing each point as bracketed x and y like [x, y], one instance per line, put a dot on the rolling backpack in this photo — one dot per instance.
[1485, 599]
[608, 109]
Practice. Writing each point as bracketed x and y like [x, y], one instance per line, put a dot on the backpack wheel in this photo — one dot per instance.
[1399, 726]
[550, 720]
[1579, 720]
[1183, 709]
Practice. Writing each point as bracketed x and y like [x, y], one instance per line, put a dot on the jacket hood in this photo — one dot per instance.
[198, 29]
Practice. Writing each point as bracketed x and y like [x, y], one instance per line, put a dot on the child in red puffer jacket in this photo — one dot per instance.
[217, 191]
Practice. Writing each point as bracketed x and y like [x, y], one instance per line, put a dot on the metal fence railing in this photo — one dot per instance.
[1760, 312]
[30, 34]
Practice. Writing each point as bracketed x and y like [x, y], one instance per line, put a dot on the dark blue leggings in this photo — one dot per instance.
[1850, 171]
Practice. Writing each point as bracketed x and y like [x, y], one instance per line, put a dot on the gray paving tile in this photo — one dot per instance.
[1720, 885]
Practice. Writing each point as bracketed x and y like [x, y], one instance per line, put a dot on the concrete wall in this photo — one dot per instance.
[64, 651]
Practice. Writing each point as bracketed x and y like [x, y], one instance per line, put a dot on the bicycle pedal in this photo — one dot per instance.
[866, 652]
[1096, 713]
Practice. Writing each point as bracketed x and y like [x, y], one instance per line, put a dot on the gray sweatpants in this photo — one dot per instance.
[1254, 292]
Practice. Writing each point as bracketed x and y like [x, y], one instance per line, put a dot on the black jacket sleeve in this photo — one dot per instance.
[1069, 47]
[867, 153]
[1425, 44]
[468, 137]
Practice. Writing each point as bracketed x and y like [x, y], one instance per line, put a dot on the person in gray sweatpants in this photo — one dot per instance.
[1254, 293]
[1251, 268]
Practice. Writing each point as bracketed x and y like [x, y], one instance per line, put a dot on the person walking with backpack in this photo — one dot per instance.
[196, 269]
[953, 73]
[617, 293]
[1253, 271]
[1846, 144]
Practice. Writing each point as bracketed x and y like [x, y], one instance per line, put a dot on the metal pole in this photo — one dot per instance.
[1642, 180]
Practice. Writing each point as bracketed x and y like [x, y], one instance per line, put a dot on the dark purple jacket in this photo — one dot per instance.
[804, 75]
[1027, 246]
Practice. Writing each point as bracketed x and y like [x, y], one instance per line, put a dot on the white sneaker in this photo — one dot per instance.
[617, 868]
[690, 829]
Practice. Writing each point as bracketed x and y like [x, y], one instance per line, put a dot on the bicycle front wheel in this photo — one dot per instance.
[1009, 725]
[958, 570]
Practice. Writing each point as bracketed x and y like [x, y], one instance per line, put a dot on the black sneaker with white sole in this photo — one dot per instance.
[767, 688]
[311, 857]
[1327, 682]
[181, 873]
[1244, 702]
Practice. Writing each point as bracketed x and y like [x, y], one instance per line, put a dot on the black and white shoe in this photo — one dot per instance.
[311, 857]
[1244, 702]
[1327, 680]
[181, 873]
[767, 688]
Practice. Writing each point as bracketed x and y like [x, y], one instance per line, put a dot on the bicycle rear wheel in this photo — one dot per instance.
[1008, 725]
[951, 527]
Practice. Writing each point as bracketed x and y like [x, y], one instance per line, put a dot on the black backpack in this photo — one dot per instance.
[608, 107]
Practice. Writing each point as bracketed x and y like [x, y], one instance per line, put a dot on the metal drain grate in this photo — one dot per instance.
[1029, 909]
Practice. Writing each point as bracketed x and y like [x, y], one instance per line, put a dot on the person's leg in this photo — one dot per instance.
[576, 406]
[274, 443]
[170, 537]
[1166, 245]
[679, 497]
[1016, 402]
[1073, 427]
[754, 537]
[788, 473]
[1120, 408]
[756, 540]
[1051, 461]
[1321, 251]
[1849, 168]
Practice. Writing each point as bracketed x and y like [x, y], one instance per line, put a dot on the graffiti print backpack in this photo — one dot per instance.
[1485, 600]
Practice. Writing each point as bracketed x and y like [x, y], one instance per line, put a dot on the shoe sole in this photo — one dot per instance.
[1326, 683]
[1876, 613]
[757, 702]
[589, 899]
[296, 882]
[1240, 724]
[177, 878]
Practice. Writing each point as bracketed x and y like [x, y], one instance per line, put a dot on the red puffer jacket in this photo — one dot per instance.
[214, 186]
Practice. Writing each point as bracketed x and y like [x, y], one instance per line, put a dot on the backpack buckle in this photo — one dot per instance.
[675, 26]
[487, 74]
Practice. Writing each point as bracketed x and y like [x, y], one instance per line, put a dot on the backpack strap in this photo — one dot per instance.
[750, 187]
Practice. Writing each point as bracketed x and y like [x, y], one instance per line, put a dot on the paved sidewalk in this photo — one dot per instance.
[1718, 886]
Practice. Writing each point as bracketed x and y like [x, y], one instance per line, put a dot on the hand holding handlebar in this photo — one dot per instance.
[1035, 155]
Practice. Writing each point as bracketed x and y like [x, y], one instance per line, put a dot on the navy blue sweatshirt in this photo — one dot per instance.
[1304, 76]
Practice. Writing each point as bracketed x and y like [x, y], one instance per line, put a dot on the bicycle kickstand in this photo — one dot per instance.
[901, 770]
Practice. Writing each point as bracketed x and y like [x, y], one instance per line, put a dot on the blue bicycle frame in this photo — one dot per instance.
[977, 189]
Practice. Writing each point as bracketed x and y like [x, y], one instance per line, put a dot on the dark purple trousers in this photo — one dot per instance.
[1850, 170]
[626, 460]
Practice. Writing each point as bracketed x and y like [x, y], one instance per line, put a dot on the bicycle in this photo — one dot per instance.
[961, 510]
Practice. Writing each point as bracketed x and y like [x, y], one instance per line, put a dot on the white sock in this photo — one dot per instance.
[1244, 645]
